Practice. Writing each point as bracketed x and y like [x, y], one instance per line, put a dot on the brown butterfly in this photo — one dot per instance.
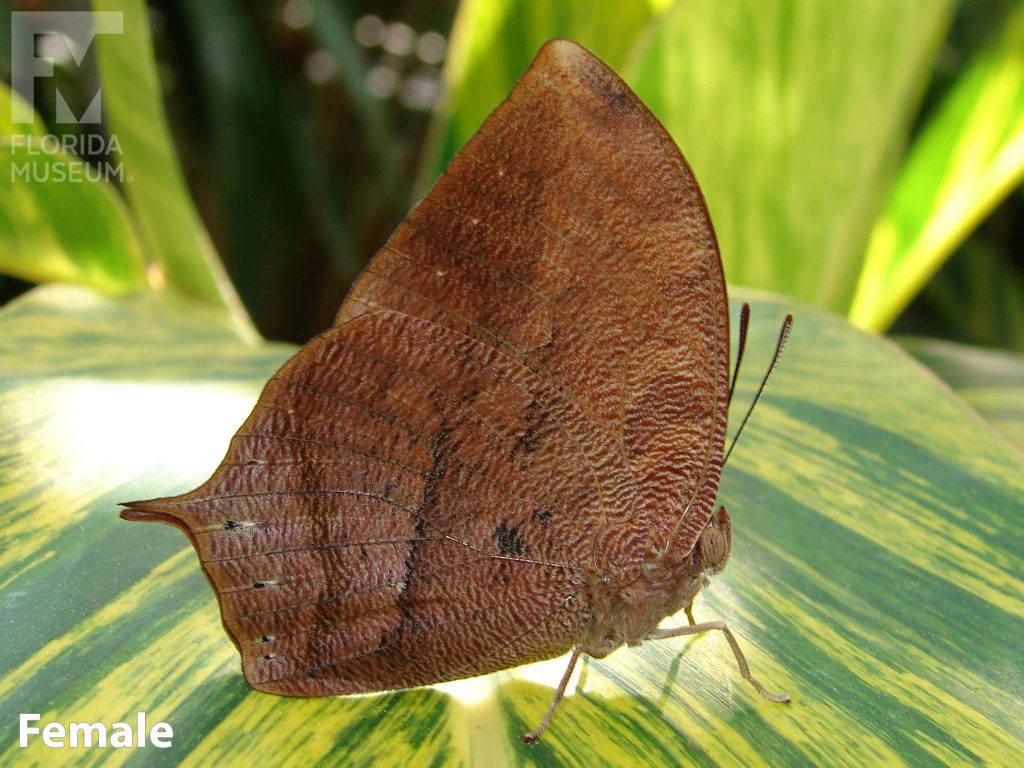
[509, 444]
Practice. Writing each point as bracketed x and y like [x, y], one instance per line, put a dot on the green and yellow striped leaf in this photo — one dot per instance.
[876, 575]
[989, 380]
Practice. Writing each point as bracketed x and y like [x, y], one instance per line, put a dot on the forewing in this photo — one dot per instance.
[571, 236]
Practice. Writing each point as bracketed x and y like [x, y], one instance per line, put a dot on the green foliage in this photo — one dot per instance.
[977, 297]
[91, 241]
[791, 114]
[493, 41]
[263, 201]
[967, 158]
[990, 381]
[173, 233]
[876, 575]
[333, 26]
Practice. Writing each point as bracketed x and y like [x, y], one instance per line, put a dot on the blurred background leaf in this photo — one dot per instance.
[171, 229]
[968, 156]
[978, 296]
[333, 26]
[246, 130]
[300, 124]
[493, 41]
[792, 115]
[91, 242]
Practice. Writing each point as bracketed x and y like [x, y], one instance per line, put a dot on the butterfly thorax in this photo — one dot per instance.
[628, 613]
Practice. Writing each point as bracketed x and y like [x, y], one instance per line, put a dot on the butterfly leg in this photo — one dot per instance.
[559, 694]
[741, 660]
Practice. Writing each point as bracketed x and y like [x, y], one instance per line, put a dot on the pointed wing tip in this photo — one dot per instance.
[582, 66]
[562, 46]
[565, 54]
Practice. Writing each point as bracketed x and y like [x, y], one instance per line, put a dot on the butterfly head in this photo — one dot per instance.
[715, 543]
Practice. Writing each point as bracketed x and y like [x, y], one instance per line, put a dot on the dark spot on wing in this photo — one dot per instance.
[528, 440]
[542, 516]
[509, 542]
[611, 91]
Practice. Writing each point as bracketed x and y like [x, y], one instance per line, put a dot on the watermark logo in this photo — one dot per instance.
[77, 29]
[37, 40]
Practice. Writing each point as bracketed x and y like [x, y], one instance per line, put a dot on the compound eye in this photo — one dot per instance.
[714, 547]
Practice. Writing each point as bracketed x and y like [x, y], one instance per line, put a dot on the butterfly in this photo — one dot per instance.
[508, 446]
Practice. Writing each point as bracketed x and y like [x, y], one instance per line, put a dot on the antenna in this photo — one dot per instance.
[787, 325]
[741, 346]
